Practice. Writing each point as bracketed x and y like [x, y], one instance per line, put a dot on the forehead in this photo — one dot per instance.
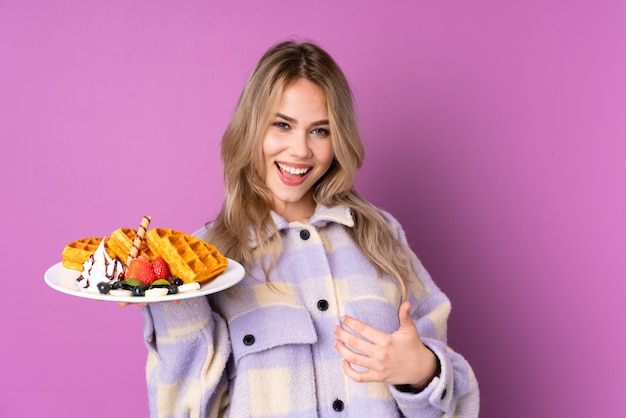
[303, 96]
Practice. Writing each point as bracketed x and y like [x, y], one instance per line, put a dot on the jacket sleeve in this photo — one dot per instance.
[188, 348]
[454, 393]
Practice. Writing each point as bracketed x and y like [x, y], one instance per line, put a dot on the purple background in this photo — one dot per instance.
[495, 132]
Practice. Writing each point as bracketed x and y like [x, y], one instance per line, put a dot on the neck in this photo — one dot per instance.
[295, 212]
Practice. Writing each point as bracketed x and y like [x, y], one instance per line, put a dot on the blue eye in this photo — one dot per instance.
[281, 125]
[320, 132]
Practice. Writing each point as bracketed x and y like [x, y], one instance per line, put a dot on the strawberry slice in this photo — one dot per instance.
[141, 269]
[159, 266]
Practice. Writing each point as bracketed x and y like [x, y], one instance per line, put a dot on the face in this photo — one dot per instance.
[297, 149]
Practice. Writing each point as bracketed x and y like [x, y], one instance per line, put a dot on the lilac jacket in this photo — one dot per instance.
[261, 351]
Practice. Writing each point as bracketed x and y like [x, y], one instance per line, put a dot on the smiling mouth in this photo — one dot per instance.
[293, 170]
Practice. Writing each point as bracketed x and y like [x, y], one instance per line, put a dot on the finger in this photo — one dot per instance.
[404, 314]
[125, 304]
[352, 356]
[361, 328]
[357, 376]
[407, 326]
[352, 340]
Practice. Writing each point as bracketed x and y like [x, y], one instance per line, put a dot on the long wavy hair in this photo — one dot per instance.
[245, 216]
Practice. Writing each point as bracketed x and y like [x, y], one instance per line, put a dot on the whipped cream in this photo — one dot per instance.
[99, 268]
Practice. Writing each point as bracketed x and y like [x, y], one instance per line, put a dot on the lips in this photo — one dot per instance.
[292, 175]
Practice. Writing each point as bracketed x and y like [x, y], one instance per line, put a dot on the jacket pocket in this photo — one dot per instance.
[269, 327]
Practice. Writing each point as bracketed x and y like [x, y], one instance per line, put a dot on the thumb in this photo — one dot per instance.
[404, 314]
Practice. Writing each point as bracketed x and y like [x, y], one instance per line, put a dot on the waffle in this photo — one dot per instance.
[189, 258]
[77, 252]
[121, 241]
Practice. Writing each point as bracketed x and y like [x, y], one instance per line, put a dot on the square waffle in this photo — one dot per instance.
[189, 258]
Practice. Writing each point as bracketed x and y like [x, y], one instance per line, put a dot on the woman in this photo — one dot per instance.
[336, 316]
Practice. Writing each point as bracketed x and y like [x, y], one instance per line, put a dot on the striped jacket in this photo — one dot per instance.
[261, 351]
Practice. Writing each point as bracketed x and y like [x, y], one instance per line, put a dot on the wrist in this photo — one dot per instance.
[432, 369]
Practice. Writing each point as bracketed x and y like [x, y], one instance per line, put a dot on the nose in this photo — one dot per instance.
[300, 145]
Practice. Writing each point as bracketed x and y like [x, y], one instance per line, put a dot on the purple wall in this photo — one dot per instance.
[495, 133]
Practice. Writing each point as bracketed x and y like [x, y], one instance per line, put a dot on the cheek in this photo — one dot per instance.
[270, 147]
[325, 154]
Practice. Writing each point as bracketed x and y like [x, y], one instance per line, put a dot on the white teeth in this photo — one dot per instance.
[293, 170]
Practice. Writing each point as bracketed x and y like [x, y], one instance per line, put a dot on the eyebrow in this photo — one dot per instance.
[290, 119]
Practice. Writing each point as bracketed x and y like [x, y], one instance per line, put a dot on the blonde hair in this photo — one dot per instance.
[246, 211]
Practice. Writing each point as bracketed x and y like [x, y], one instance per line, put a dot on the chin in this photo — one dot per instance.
[289, 199]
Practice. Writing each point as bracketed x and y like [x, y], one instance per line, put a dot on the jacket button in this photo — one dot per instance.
[322, 304]
[338, 405]
[443, 394]
[248, 339]
[304, 234]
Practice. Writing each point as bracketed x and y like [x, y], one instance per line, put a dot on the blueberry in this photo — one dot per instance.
[115, 285]
[138, 291]
[172, 290]
[104, 287]
[178, 281]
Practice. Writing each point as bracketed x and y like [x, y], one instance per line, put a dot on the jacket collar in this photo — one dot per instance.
[323, 215]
